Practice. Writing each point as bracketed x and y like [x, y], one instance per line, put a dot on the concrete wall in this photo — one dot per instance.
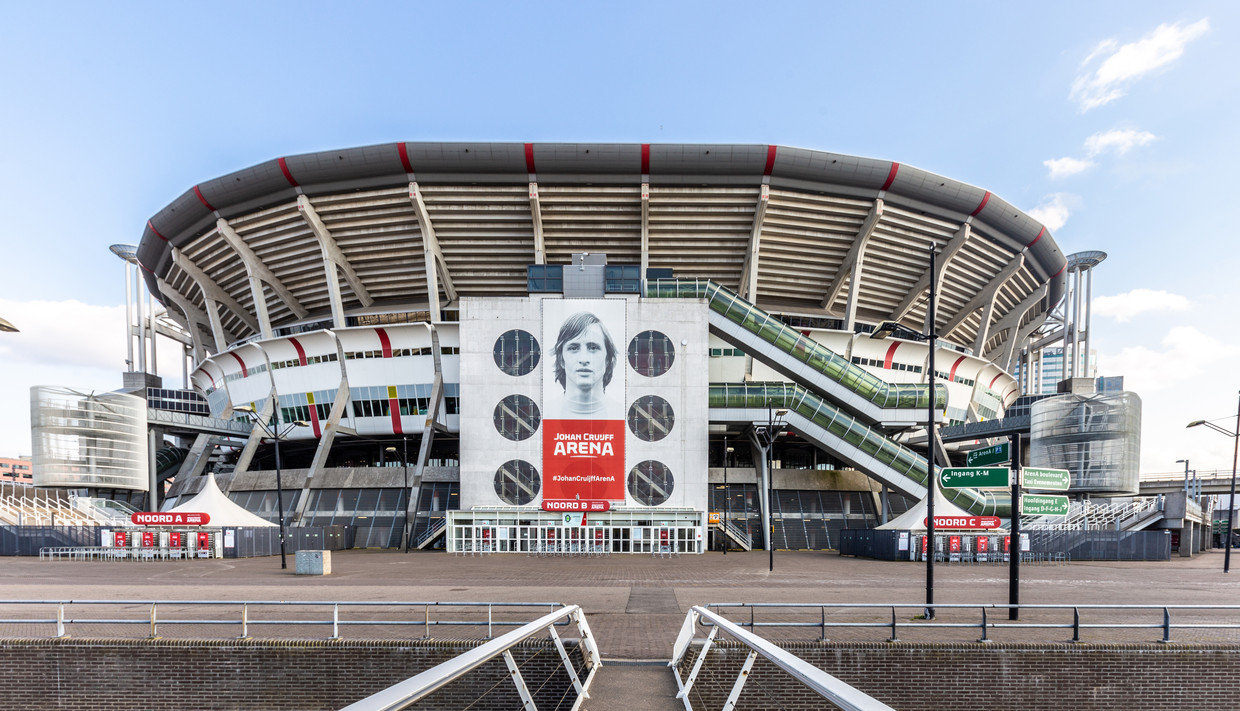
[969, 677]
[159, 675]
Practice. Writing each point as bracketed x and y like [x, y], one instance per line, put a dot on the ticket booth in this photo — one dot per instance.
[204, 544]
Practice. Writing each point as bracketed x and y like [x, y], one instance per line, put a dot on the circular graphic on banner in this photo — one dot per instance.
[517, 352]
[651, 353]
[651, 482]
[517, 482]
[517, 417]
[651, 418]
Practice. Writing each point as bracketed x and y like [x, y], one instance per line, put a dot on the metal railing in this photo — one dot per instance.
[838, 693]
[984, 624]
[408, 692]
[243, 614]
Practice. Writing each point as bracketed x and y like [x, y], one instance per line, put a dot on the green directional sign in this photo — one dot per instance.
[997, 454]
[1043, 505]
[1045, 479]
[976, 478]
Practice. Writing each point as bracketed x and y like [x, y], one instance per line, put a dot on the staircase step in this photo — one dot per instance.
[628, 685]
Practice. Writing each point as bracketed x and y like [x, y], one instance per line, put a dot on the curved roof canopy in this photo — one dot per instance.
[788, 228]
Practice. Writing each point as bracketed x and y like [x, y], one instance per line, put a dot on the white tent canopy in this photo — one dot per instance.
[220, 508]
[915, 518]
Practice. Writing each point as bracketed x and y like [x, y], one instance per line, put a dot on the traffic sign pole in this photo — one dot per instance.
[1014, 546]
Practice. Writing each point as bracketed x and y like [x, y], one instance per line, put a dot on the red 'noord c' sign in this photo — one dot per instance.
[169, 518]
[574, 505]
[979, 522]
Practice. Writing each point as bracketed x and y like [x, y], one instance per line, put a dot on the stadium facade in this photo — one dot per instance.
[636, 335]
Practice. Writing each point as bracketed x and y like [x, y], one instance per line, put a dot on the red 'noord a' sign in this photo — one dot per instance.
[169, 518]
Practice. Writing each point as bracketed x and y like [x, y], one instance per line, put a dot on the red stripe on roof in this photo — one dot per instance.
[288, 175]
[980, 205]
[387, 342]
[1035, 239]
[152, 271]
[891, 354]
[891, 175]
[301, 352]
[394, 409]
[1065, 266]
[992, 380]
[645, 159]
[157, 234]
[202, 199]
[952, 373]
[403, 150]
[239, 361]
[529, 158]
[770, 160]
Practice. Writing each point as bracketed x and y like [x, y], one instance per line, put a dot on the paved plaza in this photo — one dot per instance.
[636, 604]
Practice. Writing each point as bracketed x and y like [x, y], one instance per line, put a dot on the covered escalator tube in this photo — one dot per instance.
[898, 460]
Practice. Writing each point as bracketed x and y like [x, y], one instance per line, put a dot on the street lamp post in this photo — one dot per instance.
[1231, 501]
[727, 496]
[771, 416]
[404, 458]
[890, 328]
[274, 432]
[1185, 463]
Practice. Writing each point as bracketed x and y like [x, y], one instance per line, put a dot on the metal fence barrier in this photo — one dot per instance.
[1159, 616]
[408, 692]
[254, 613]
[836, 692]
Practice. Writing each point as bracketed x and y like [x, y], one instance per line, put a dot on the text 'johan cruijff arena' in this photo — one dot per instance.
[523, 347]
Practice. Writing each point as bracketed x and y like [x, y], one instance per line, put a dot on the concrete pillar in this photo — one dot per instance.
[1186, 539]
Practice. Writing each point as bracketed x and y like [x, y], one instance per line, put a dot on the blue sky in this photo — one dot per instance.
[1112, 121]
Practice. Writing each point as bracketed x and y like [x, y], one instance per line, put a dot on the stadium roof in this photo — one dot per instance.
[787, 228]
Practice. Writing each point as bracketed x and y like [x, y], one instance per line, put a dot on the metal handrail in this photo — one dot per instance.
[406, 693]
[986, 623]
[150, 616]
[837, 692]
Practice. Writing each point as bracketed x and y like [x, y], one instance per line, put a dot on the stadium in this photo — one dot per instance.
[625, 348]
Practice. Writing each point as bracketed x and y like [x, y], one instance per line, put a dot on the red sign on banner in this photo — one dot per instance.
[168, 518]
[204, 540]
[120, 539]
[953, 543]
[966, 521]
[1007, 544]
[148, 539]
[174, 539]
[583, 459]
[983, 544]
[574, 505]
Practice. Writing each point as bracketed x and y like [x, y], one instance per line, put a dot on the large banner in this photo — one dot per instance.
[583, 399]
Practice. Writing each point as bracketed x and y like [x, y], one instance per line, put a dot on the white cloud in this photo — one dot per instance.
[60, 343]
[1176, 386]
[1125, 307]
[1117, 141]
[1118, 65]
[1054, 210]
[1067, 166]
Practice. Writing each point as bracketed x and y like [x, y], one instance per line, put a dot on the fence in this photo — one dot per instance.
[242, 616]
[1044, 545]
[823, 617]
[247, 542]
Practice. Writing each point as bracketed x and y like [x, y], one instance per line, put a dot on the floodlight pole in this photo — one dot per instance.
[727, 501]
[404, 457]
[1231, 502]
[275, 433]
[931, 479]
